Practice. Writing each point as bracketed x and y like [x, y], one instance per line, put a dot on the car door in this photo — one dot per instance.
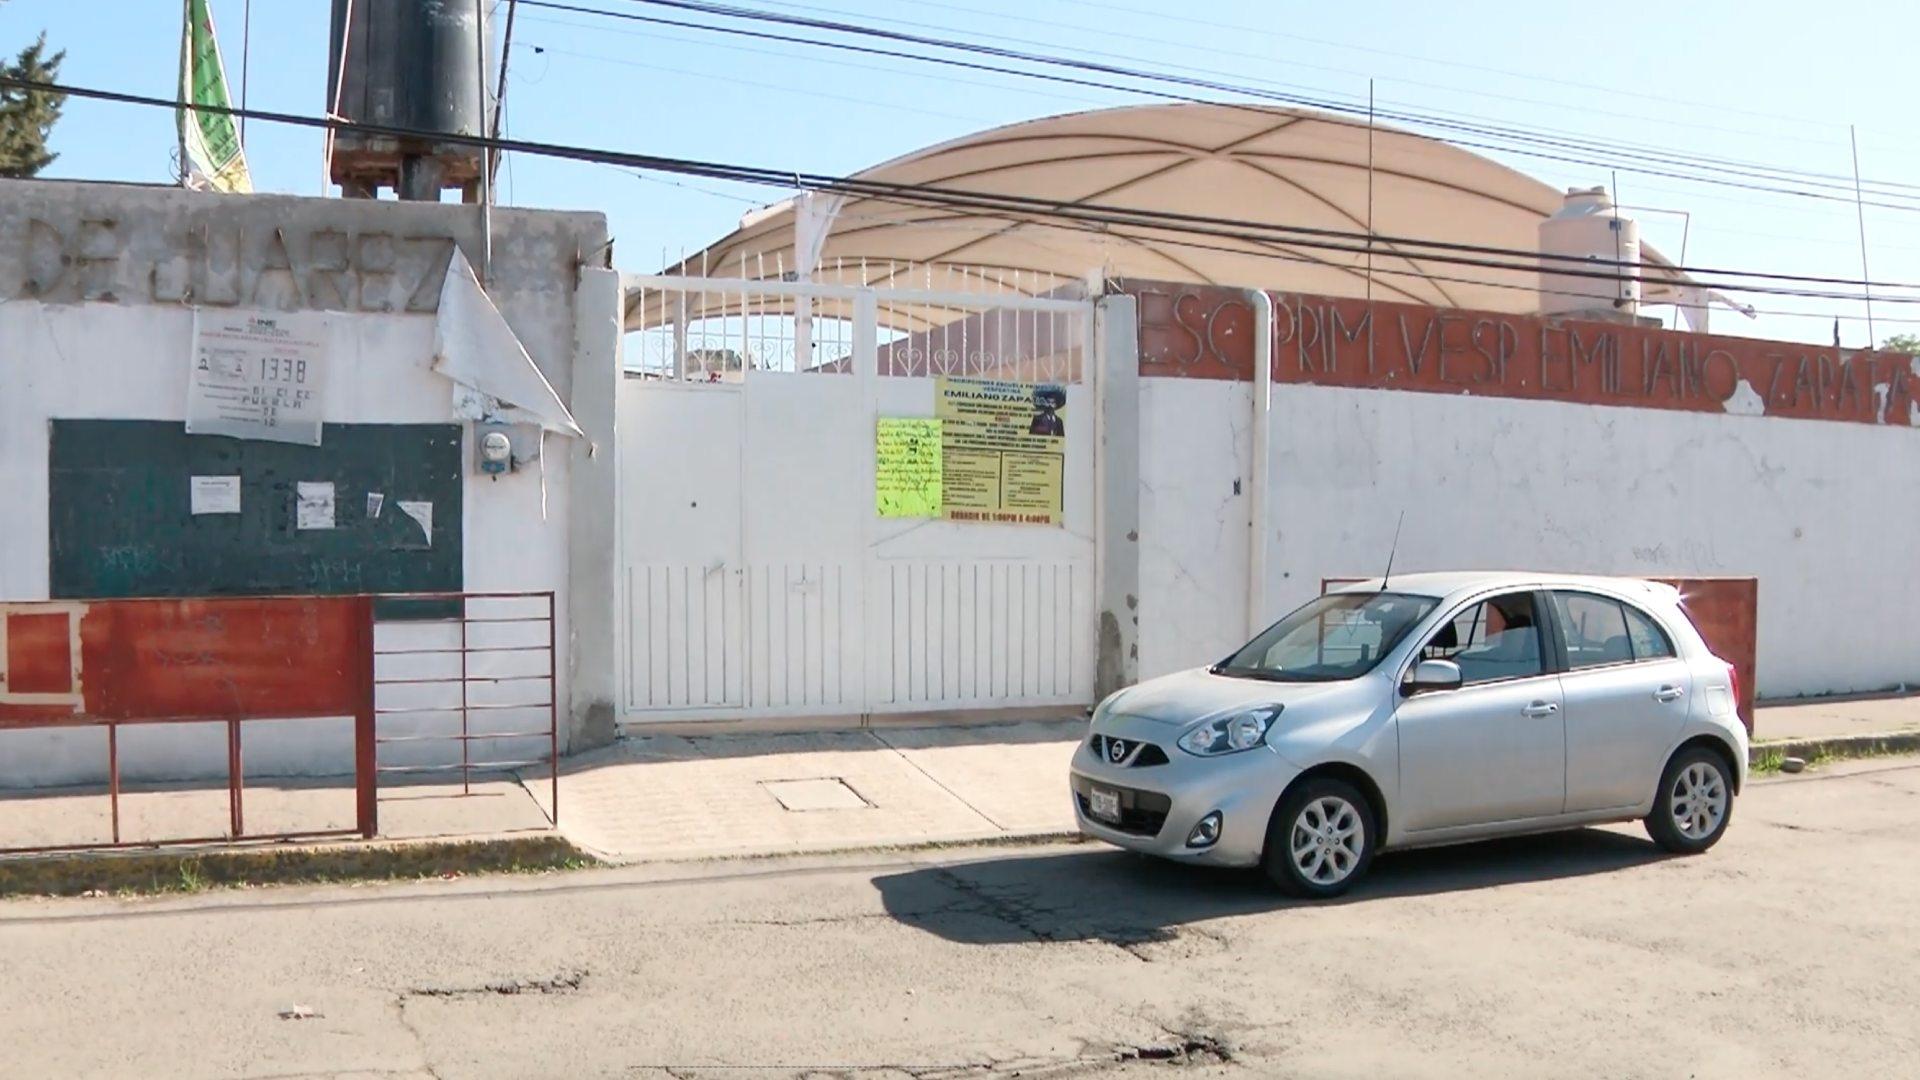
[1493, 749]
[1626, 699]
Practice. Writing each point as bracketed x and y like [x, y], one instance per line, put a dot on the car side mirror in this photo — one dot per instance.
[1432, 675]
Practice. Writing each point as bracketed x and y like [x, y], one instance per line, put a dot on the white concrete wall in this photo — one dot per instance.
[96, 284]
[1820, 512]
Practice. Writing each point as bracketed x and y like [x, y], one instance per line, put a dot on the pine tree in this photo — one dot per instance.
[26, 116]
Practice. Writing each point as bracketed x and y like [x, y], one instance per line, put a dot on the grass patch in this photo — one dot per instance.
[127, 875]
[1770, 758]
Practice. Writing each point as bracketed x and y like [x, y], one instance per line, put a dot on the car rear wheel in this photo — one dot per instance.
[1695, 802]
[1321, 839]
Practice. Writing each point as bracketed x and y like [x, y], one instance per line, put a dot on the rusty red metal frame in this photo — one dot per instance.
[191, 661]
[127, 686]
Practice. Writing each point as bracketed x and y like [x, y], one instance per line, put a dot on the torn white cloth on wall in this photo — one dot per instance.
[493, 377]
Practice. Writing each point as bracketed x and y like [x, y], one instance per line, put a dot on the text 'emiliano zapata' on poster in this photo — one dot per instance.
[1003, 450]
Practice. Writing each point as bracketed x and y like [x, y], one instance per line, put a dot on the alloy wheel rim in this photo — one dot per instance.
[1327, 840]
[1698, 801]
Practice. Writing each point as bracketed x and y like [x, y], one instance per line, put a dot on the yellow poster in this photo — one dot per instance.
[906, 467]
[1003, 450]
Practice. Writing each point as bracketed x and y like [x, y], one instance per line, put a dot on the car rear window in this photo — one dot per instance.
[1599, 630]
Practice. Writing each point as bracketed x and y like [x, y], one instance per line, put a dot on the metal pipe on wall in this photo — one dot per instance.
[1262, 305]
[486, 169]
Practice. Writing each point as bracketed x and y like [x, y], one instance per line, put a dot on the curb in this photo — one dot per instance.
[996, 840]
[192, 870]
[1838, 746]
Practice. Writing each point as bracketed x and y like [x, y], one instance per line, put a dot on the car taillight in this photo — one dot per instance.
[1733, 685]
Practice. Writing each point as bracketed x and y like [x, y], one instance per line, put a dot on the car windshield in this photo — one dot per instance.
[1337, 636]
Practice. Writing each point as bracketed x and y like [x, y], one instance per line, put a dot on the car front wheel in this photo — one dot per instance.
[1320, 840]
[1695, 802]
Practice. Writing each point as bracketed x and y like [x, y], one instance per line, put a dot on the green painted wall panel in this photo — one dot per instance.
[120, 521]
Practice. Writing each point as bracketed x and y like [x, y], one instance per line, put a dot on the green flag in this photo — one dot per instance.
[211, 157]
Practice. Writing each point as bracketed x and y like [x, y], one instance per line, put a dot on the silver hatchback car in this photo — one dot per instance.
[1434, 709]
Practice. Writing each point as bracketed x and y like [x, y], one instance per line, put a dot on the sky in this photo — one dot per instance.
[1763, 81]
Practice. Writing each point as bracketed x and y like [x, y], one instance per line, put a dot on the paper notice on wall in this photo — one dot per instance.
[422, 513]
[1003, 450]
[214, 494]
[906, 467]
[257, 375]
[375, 503]
[313, 505]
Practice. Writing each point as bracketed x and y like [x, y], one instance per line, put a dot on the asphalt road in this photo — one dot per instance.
[1792, 949]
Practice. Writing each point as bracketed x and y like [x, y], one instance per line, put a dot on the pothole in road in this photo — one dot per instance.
[1184, 1050]
[564, 983]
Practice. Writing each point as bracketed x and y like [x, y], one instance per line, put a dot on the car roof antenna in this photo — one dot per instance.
[1391, 551]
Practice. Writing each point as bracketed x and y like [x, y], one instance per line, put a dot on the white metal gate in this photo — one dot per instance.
[758, 579]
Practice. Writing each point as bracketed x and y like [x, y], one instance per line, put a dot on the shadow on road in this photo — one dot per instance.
[1126, 899]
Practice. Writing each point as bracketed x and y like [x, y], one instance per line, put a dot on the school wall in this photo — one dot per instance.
[1815, 509]
[98, 285]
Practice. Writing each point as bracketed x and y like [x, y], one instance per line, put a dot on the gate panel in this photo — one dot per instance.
[980, 634]
[684, 612]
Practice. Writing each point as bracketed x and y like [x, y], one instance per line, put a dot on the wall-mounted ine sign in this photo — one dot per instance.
[257, 375]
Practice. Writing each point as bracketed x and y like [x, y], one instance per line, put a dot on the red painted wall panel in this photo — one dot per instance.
[255, 658]
[1206, 332]
[39, 653]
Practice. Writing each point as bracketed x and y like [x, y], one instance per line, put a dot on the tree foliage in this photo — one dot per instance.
[1903, 343]
[28, 116]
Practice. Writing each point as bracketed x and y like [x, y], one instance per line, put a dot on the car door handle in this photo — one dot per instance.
[1668, 693]
[1540, 708]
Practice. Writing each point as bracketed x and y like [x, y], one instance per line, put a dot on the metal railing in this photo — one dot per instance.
[949, 320]
[493, 641]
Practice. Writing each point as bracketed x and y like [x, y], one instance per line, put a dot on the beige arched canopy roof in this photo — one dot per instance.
[1253, 163]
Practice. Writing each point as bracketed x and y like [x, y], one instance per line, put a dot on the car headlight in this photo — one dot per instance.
[1230, 734]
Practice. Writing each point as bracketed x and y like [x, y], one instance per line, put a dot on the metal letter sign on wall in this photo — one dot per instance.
[258, 375]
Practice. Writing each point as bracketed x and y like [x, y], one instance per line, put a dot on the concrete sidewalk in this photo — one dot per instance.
[707, 796]
[691, 797]
[670, 797]
[152, 813]
[1835, 718]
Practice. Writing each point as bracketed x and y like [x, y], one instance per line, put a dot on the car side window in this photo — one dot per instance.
[1649, 641]
[1492, 640]
[1595, 630]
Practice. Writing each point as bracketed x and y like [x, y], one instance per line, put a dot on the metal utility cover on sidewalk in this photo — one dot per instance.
[825, 793]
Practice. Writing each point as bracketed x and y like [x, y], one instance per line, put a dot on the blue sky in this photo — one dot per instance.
[1763, 81]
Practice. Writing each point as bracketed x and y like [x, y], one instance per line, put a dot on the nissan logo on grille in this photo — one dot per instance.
[1117, 749]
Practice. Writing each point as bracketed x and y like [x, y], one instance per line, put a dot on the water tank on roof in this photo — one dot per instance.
[1601, 248]
[414, 64]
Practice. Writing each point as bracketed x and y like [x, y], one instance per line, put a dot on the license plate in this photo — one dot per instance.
[1104, 804]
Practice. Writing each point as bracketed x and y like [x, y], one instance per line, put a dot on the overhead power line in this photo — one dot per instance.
[1839, 181]
[1021, 207]
[1512, 140]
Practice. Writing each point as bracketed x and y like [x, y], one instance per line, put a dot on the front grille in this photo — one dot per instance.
[1142, 813]
[1133, 753]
